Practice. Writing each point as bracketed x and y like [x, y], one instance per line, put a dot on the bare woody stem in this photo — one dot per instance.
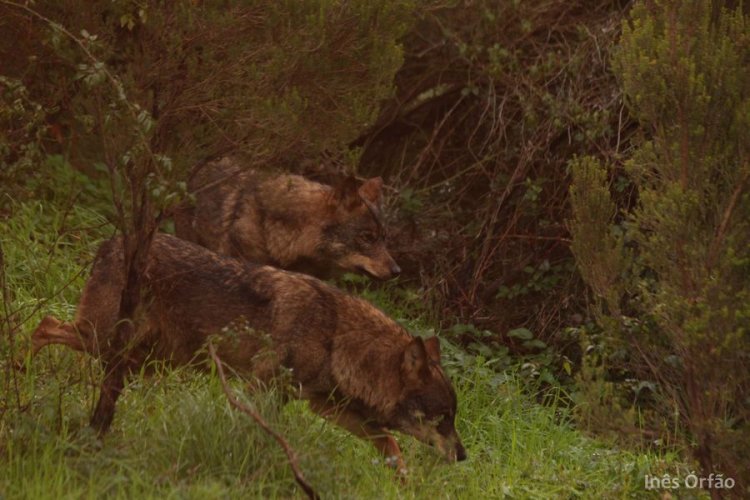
[721, 232]
[290, 453]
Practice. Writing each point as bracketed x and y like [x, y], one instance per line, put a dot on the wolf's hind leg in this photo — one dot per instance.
[53, 331]
[352, 421]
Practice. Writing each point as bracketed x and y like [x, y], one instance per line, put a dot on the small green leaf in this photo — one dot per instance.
[534, 344]
[521, 333]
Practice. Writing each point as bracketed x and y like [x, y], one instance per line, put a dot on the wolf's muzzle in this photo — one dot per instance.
[460, 453]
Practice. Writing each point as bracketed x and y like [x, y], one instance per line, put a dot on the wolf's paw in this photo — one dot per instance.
[397, 463]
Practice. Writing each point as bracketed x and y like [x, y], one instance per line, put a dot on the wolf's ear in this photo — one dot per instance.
[346, 193]
[372, 189]
[415, 358]
[432, 347]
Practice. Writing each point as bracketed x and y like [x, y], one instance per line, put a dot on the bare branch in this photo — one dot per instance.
[290, 453]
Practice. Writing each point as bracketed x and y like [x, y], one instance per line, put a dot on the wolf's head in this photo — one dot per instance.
[427, 408]
[354, 238]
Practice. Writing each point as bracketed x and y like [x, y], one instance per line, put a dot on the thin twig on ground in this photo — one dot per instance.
[290, 453]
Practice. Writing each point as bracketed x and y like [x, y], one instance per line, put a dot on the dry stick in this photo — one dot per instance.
[725, 219]
[290, 453]
[11, 327]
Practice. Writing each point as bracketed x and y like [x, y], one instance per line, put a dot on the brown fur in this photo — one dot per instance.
[287, 221]
[353, 363]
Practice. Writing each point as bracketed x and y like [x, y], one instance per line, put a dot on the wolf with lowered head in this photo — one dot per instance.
[354, 364]
[287, 221]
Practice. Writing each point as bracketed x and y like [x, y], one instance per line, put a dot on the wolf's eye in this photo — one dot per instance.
[417, 415]
[370, 237]
[445, 426]
[437, 420]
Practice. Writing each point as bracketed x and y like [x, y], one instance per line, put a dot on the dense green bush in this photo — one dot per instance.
[673, 273]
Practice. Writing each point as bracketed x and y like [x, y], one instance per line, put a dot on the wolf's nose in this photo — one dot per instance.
[395, 270]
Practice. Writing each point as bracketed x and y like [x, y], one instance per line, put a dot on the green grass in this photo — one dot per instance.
[175, 436]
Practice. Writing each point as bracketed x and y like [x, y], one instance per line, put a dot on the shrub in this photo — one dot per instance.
[672, 275]
[492, 100]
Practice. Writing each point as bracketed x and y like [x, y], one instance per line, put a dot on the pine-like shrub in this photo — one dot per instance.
[672, 275]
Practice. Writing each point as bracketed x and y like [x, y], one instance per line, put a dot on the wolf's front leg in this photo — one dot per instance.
[352, 421]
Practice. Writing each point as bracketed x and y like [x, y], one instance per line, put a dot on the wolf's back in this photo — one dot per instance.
[191, 293]
[224, 193]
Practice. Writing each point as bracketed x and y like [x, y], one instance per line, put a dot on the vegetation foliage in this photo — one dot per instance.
[672, 272]
[492, 100]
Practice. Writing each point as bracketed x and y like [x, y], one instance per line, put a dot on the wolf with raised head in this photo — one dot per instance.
[287, 221]
[354, 364]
